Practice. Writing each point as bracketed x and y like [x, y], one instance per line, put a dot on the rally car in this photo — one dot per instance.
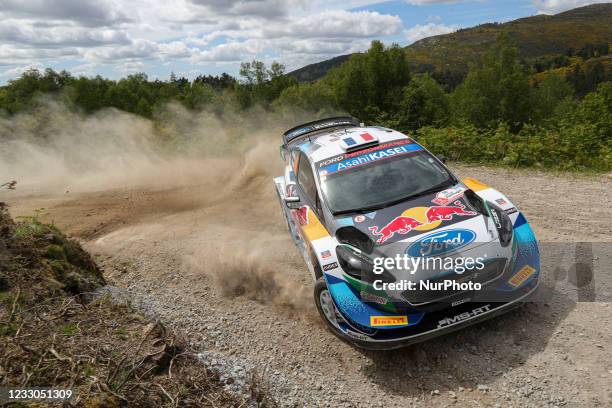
[355, 197]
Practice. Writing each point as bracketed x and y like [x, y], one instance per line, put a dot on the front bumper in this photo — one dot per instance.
[440, 323]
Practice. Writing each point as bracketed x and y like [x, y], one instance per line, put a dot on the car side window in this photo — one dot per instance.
[306, 178]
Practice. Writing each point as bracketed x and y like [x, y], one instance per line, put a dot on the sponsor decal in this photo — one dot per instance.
[330, 266]
[496, 219]
[383, 146]
[449, 321]
[511, 210]
[381, 321]
[356, 335]
[302, 215]
[521, 276]
[447, 196]
[501, 201]
[371, 215]
[329, 161]
[447, 212]
[360, 218]
[460, 302]
[441, 242]
[400, 225]
[326, 254]
[370, 297]
[419, 219]
[317, 126]
[346, 222]
[340, 163]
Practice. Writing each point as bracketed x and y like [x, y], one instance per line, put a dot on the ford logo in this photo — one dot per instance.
[441, 243]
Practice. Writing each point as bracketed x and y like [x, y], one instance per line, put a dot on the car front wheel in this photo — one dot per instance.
[325, 304]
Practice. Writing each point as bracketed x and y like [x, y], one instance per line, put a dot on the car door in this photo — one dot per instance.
[308, 216]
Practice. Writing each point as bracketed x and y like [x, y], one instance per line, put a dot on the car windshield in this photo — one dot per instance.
[360, 185]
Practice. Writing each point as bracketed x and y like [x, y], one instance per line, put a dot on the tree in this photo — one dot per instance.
[253, 73]
[424, 103]
[370, 85]
[494, 92]
[143, 108]
[24, 92]
[260, 84]
[310, 97]
[199, 95]
[549, 93]
[89, 93]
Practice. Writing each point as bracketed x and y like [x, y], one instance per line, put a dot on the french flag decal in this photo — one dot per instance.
[353, 141]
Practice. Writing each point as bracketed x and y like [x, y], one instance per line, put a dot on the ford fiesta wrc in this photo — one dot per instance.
[400, 250]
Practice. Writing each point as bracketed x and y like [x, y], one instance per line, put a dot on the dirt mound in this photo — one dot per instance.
[38, 256]
[55, 333]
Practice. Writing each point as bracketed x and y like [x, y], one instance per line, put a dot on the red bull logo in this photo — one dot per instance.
[446, 213]
[400, 225]
[419, 219]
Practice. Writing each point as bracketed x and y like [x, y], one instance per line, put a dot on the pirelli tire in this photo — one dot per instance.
[326, 307]
[321, 291]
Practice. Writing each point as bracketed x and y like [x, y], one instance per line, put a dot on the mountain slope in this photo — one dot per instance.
[536, 37]
[315, 71]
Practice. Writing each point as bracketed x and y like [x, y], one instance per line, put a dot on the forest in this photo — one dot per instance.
[554, 113]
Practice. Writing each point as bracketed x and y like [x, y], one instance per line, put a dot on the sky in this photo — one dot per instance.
[114, 38]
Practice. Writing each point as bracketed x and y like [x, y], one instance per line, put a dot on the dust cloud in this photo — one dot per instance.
[199, 183]
[55, 147]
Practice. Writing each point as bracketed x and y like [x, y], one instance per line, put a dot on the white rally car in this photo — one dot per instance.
[353, 194]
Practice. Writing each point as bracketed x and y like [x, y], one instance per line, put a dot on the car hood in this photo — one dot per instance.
[439, 224]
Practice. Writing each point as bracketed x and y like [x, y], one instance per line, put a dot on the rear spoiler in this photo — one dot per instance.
[320, 124]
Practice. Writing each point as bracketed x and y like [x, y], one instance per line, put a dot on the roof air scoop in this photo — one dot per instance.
[352, 142]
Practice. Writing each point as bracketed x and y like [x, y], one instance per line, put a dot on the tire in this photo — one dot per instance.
[322, 292]
[325, 306]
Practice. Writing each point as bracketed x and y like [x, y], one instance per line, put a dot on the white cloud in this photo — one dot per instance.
[337, 24]
[90, 34]
[230, 52]
[419, 32]
[87, 69]
[17, 71]
[129, 67]
[268, 9]
[31, 35]
[558, 6]
[86, 12]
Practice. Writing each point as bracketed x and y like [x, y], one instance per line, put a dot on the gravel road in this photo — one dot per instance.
[212, 257]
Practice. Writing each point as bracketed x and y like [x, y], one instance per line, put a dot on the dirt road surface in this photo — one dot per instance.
[212, 257]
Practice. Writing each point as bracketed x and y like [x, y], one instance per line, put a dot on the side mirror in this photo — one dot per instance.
[442, 158]
[293, 202]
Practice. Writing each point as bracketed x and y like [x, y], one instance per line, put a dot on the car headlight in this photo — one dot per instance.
[503, 223]
[360, 266]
